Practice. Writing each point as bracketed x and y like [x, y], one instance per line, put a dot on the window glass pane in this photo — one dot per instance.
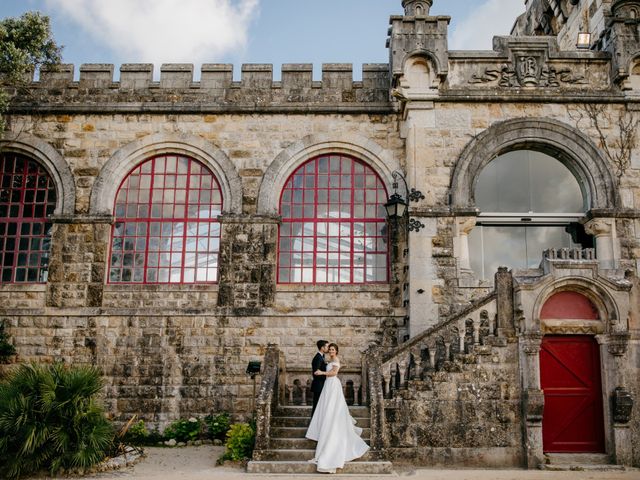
[335, 187]
[528, 181]
[27, 196]
[512, 246]
[187, 196]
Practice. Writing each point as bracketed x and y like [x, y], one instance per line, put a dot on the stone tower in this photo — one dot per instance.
[414, 8]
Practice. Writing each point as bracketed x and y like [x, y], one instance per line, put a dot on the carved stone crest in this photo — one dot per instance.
[528, 71]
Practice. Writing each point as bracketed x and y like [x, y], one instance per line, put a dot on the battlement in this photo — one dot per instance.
[216, 87]
[139, 76]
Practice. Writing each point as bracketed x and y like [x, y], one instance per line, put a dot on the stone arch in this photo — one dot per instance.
[432, 62]
[418, 75]
[310, 146]
[124, 160]
[53, 163]
[634, 72]
[593, 290]
[570, 146]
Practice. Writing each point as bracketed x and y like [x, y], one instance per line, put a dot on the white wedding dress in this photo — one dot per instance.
[334, 429]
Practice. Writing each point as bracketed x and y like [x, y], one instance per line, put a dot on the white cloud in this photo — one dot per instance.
[483, 22]
[161, 31]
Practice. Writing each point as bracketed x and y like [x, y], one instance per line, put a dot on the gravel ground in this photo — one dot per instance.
[199, 463]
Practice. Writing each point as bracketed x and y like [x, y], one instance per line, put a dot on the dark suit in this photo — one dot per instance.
[317, 383]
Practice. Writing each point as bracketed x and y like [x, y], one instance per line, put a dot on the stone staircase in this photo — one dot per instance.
[289, 450]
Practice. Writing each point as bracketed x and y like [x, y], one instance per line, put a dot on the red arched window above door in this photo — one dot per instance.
[569, 305]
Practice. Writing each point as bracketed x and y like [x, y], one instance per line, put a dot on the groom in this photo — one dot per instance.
[318, 363]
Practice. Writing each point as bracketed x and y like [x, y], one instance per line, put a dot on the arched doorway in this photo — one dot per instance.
[573, 420]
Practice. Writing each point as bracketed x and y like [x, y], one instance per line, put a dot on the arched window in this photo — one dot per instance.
[529, 201]
[27, 198]
[333, 223]
[166, 228]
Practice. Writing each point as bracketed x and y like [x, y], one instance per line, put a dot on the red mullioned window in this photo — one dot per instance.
[166, 228]
[27, 199]
[333, 223]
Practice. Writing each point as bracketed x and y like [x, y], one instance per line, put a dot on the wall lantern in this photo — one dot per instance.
[397, 207]
[253, 368]
[584, 40]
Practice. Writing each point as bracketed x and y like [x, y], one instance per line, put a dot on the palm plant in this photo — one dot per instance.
[50, 419]
[7, 350]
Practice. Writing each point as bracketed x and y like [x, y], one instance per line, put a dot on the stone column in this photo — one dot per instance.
[464, 225]
[533, 398]
[505, 309]
[607, 249]
[247, 262]
[423, 311]
[78, 260]
[621, 401]
[423, 174]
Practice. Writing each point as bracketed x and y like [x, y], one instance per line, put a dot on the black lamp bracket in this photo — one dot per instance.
[415, 225]
[413, 194]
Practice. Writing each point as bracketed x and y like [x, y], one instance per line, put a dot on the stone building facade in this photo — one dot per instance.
[463, 324]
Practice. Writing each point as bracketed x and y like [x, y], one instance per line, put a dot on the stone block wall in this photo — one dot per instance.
[469, 415]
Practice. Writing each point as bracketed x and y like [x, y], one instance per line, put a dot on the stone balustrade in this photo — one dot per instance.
[471, 331]
[570, 254]
[298, 387]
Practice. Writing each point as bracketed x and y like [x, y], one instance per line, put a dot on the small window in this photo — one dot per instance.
[529, 201]
[333, 224]
[27, 200]
[166, 228]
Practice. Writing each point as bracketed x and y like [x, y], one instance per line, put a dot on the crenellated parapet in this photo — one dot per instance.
[215, 90]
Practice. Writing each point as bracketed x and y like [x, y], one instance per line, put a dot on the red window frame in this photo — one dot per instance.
[333, 228]
[27, 198]
[166, 228]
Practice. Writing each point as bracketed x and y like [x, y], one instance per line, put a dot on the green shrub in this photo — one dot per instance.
[50, 419]
[240, 441]
[218, 425]
[7, 350]
[184, 430]
[136, 434]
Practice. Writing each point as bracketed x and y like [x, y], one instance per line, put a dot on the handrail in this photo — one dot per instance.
[267, 399]
[400, 349]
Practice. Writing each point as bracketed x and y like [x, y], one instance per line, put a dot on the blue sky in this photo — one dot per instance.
[250, 31]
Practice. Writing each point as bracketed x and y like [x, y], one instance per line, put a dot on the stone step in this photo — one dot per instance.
[358, 468]
[581, 467]
[595, 462]
[305, 411]
[296, 455]
[304, 422]
[299, 432]
[562, 458]
[297, 443]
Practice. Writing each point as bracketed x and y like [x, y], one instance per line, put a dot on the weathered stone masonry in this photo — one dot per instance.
[452, 362]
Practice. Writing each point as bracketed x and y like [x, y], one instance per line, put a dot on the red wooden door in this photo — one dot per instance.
[570, 377]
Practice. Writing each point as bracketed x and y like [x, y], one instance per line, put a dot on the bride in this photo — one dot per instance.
[332, 425]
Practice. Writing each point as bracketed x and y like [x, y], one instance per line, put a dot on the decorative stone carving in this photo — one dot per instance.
[598, 227]
[618, 344]
[534, 405]
[531, 343]
[622, 404]
[528, 71]
[572, 327]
